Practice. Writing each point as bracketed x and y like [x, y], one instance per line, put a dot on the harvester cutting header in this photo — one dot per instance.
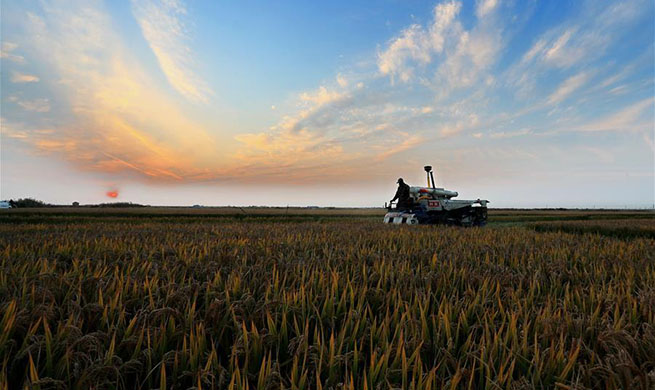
[431, 205]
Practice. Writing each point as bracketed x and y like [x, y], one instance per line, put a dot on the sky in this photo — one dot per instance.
[173, 102]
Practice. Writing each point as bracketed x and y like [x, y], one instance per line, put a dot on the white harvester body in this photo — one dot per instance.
[432, 205]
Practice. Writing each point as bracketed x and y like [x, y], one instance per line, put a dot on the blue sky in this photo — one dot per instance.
[528, 104]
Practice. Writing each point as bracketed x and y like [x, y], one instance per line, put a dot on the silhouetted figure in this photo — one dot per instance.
[402, 194]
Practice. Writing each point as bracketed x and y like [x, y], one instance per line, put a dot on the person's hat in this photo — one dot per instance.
[400, 180]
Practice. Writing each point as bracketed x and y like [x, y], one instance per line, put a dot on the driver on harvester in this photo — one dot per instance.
[402, 194]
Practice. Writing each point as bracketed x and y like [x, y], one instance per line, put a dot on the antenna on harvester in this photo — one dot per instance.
[428, 170]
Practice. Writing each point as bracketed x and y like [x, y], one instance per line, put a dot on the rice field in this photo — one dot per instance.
[324, 302]
[626, 228]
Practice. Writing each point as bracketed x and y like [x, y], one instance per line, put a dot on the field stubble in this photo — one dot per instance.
[351, 304]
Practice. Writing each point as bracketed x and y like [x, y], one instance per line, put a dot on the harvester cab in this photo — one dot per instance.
[431, 206]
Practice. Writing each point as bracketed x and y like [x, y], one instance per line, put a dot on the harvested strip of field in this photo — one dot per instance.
[568, 215]
[358, 304]
[621, 228]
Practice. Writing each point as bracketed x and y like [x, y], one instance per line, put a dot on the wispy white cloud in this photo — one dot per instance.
[484, 7]
[376, 122]
[417, 45]
[342, 80]
[582, 41]
[635, 117]
[648, 139]
[21, 131]
[468, 123]
[475, 52]
[537, 48]
[568, 87]
[510, 134]
[36, 105]
[299, 140]
[560, 53]
[619, 90]
[619, 73]
[336, 127]
[461, 57]
[163, 27]
[573, 45]
[321, 96]
[409, 142]
[119, 114]
[6, 51]
[9, 130]
[413, 46]
[292, 150]
[17, 77]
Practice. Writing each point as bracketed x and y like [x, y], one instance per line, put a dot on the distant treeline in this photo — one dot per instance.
[116, 205]
[27, 202]
[34, 203]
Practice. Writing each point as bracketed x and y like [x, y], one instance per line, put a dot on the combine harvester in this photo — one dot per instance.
[431, 206]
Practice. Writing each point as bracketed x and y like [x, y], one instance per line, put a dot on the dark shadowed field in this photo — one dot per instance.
[260, 298]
